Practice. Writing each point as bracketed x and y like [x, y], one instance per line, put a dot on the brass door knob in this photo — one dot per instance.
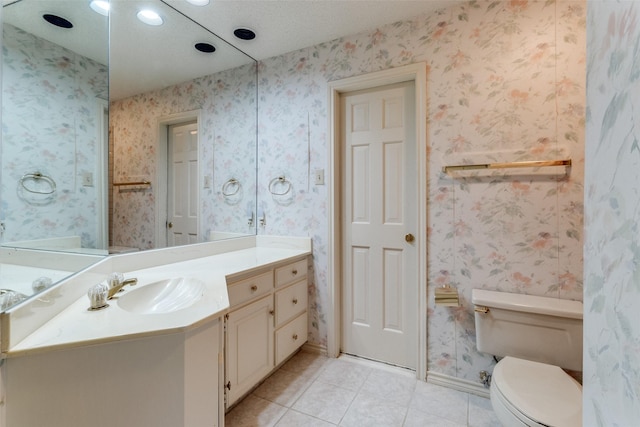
[409, 238]
[170, 225]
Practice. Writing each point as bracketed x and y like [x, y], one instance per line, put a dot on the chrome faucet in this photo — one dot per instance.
[116, 283]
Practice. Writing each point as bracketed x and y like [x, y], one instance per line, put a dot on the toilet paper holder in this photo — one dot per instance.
[447, 296]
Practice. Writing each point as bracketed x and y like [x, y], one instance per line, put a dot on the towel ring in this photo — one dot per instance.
[37, 176]
[229, 186]
[280, 180]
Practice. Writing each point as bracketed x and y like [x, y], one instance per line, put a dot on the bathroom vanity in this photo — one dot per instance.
[266, 323]
[141, 363]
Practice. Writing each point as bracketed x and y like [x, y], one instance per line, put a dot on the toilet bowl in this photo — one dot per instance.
[536, 337]
[526, 393]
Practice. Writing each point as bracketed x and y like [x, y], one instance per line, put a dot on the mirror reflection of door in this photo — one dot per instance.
[182, 184]
[102, 175]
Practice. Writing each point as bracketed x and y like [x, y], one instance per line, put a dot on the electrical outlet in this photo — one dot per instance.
[319, 176]
[87, 179]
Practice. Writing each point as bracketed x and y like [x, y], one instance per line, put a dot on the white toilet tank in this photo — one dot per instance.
[546, 330]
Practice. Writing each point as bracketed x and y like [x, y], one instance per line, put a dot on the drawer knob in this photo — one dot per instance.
[254, 288]
[295, 301]
[294, 271]
[271, 312]
[295, 337]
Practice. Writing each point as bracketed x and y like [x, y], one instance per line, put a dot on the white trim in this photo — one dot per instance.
[457, 384]
[161, 171]
[101, 179]
[314, 348]
[418, 73]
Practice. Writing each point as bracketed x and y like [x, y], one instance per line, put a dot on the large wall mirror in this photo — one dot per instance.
[54, 123]
[183, 131]
[120, 135]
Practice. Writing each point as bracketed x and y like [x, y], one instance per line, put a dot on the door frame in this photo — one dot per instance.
[102, 174]
[418, 74]
[162, 174]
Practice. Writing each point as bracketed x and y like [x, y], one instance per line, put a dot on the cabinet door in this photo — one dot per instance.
[249, 347]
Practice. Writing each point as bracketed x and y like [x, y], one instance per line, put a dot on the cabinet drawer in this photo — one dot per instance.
[291, 301]
[291, 272]
[248, 289]
[291, 337]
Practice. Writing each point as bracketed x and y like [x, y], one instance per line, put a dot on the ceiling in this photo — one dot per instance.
[286, 25]
[144, 58]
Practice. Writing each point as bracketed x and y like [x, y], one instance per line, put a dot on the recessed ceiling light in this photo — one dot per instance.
[198, 2]
[205, 47]
[100, 6]
[56, 20]
[244, 33]
[149, 17]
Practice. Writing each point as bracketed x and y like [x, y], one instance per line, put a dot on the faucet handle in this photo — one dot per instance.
[115, 279]
[98, 296]
[41, 283]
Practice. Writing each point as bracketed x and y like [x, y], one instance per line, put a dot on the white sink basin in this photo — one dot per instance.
[164, 296]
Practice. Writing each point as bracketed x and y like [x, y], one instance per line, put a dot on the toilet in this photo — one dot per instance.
[536, 337]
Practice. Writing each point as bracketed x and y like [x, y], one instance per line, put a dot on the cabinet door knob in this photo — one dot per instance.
[295, 301]
[254, 288]
[409, 237]
[272, 312]
[295, 337]
[170, 225]
[294, 271]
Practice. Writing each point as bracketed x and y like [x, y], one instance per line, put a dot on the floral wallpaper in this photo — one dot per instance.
[506, 82]
[227, 150]
[50, 108]
[612, 241]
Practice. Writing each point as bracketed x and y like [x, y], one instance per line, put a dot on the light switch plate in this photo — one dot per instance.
[319, 176]
[87, 179]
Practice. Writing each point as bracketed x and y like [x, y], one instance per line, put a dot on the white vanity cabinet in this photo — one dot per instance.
[155, 380]
[266, 323]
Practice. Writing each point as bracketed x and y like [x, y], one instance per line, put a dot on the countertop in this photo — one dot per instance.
[77, 326]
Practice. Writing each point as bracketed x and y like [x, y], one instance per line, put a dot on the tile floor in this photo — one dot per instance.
[311, 390]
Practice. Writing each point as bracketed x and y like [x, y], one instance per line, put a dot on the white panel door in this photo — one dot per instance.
[379, 205]
[182, 197]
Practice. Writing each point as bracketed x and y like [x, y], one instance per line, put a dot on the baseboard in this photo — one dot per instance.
[315, 348]
[457, 384]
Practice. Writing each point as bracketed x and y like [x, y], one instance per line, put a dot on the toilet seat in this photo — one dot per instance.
[536, 394]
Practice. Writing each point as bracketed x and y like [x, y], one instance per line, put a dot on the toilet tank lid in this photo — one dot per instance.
[527, 303]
